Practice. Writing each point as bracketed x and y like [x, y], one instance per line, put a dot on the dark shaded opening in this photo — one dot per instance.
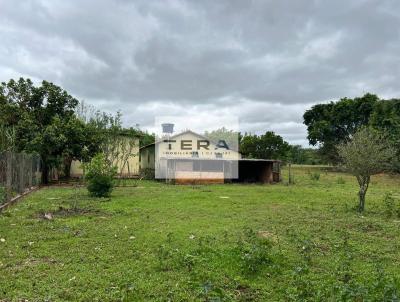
[255, 172]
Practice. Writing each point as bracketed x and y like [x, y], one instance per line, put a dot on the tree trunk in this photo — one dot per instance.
[364, 183]
[361, 195]
[67, 166]
[45, 173]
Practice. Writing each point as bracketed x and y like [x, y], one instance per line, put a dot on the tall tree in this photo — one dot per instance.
[43, 119]
[386, 117]
[330, 124]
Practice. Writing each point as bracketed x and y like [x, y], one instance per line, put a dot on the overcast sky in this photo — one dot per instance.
[263, 61]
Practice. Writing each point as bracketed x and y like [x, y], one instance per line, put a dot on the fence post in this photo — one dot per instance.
[38, 173]
[9, 175]
[30, 172]
[21, 185]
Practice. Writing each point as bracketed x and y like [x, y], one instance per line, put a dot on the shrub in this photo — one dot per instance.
[100, 176]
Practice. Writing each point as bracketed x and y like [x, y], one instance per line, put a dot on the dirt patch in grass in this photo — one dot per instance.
[32, 262]
[245, 293]
[66, 212]
[267, 235]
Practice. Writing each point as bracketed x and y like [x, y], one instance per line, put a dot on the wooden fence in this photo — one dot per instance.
[19, 173]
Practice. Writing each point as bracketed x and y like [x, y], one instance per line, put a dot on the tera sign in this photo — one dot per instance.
[200, 144]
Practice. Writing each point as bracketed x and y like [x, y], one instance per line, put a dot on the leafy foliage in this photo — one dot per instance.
[100, 176]
[46, 120]
[266, 146]
[7, 138]
[229, 136]
[386, 117]
[304, 156]
[146, 138]
[42, 118]
[330, 124]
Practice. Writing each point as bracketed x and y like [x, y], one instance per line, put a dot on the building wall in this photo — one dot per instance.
[125, 169]
[185, 178]
[76, 169]
[147, 157]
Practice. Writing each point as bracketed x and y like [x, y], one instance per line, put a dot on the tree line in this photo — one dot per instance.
[46, 120]
[272, 146]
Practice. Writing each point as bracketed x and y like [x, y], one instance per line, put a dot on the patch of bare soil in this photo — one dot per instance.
[267, 235]
[65, 212]
[245, 293]
[30, 262]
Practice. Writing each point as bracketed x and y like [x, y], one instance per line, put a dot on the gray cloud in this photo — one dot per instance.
[264, 61]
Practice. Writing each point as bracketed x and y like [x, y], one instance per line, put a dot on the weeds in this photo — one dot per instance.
[315, 176]
[257, 253]
[301, 288]
[340, 180]
[167, 257]
[391, 208]
[211, 292]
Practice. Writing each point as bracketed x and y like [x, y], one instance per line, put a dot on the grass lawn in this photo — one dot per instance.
[158, 242]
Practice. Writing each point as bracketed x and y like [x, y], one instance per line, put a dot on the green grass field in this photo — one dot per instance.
[158, 242]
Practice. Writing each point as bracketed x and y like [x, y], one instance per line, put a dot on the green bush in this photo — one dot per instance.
[100, 176]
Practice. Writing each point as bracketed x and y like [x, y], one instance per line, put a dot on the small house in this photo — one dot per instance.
[181, 157]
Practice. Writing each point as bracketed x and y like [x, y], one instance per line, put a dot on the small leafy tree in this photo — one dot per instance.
[100, 176]
[367, 153]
